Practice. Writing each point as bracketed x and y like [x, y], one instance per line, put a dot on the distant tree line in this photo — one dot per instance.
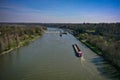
[14, 35]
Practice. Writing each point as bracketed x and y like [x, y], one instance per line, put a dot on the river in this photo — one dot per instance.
[52, 57]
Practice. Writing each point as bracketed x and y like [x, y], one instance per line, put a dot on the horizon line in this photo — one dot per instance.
[58, 22]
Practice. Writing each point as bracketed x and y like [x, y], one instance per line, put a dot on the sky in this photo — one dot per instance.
[60, 11]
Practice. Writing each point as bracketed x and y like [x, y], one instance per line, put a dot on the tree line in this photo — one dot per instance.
[14, 35]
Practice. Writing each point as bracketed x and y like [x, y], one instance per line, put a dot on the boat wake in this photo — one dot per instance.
[82, 58]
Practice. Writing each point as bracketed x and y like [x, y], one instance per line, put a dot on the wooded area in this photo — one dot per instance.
[103, 38]
[15, 35]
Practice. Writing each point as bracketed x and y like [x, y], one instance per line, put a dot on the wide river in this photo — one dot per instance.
[52, 57]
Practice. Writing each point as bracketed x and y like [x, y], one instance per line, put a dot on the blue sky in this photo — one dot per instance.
[60, 11]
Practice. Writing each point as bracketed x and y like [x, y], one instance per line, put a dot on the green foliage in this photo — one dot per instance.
[102, 38]
[11, 36]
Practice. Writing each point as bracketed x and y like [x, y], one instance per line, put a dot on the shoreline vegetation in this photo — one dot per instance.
[92, 47]
[102, 38]
[100, 52]
[13, 36]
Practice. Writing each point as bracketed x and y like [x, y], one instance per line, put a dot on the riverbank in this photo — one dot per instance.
[22, 43]
[15, 36]
[92, 47]
[98, 52]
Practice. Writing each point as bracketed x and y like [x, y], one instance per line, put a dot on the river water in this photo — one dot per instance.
[52, 57]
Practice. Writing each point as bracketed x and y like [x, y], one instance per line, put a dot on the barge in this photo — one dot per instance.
[77, 50]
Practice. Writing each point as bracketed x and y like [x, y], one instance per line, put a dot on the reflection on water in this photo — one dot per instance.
[106, 69]
[52, 57]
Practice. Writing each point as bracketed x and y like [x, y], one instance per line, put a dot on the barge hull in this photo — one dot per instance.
[77, 50]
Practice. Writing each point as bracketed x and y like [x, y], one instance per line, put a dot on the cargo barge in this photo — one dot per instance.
[77, 50]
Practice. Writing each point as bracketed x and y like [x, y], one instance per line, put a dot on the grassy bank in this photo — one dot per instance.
[100, 53]
[112, 59]
[21, 43]
[92, 47]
